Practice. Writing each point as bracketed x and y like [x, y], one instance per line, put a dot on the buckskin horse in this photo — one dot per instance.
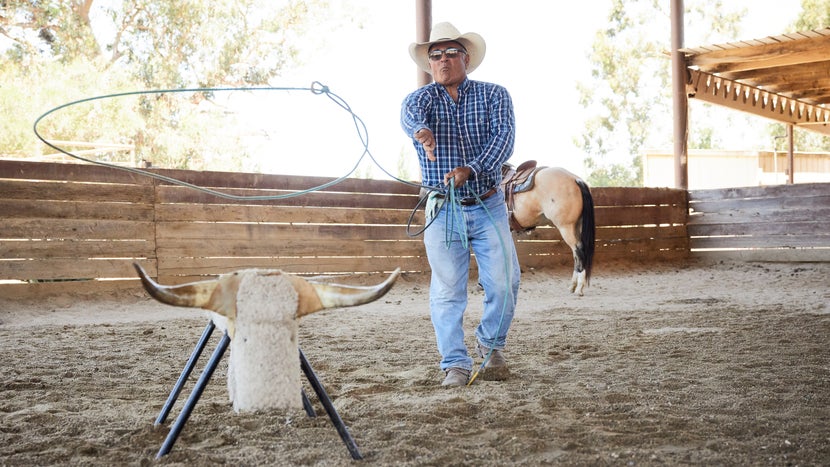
[553, 196]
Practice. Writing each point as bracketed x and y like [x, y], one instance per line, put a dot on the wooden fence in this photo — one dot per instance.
[78, 228]
[772, 223]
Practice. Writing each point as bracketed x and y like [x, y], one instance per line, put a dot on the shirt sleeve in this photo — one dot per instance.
[414, 112]
[502, 125]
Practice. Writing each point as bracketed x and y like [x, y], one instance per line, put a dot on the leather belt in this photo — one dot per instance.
[472, 200]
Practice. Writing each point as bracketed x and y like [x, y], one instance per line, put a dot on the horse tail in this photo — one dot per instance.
[588, 229]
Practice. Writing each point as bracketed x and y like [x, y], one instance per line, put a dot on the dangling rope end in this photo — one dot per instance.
[475, 375]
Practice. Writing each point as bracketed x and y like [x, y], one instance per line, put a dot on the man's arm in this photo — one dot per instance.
[414, 122]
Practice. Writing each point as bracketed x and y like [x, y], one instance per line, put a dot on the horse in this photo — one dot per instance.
[553, 196]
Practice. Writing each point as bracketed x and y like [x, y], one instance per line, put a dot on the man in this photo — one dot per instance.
[463, 131]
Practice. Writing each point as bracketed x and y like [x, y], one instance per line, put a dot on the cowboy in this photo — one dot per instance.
[463, 131]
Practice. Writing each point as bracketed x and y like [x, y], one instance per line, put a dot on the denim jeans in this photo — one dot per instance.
[488, 235]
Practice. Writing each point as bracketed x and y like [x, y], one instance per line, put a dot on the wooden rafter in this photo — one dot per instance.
[784, 78]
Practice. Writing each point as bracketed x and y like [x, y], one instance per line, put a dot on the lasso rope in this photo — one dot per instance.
[316, 88]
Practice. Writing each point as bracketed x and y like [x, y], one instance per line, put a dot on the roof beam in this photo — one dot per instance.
[751, 57]
[722, 91]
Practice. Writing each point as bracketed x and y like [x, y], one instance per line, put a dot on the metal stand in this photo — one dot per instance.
[188, 368]
[207, 372]
[330, 410]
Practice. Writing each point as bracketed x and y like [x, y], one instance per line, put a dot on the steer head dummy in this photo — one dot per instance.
[259, 309]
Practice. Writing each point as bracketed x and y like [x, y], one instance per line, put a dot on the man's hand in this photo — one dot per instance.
[427, 139]
[459, 175]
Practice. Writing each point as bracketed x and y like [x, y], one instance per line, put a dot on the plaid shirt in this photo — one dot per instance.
[477, 132]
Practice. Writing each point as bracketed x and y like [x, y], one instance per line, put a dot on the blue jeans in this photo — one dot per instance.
[498, 268]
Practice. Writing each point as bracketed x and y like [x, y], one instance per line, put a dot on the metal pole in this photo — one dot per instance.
[330, 410]
[423, 26]
[680, 98]
[790, 154]
[188, 368]
[176, 429]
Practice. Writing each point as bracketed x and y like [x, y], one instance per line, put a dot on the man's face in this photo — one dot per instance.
[448, 68]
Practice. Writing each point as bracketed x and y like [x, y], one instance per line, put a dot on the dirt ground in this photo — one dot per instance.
[687, 364]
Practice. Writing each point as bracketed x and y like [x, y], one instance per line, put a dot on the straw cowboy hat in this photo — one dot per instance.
[443, 32]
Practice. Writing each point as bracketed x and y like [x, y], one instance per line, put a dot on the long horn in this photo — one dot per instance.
[195, 294]
[336, 295]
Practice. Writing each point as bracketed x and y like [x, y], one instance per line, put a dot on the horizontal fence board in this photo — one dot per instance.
[52, 209]
[639, 215]
[285, 214]
[609, 232]
[771, 191]
[68, 268]
[630, 196]
[762, 205]
[750, 216]
[765, 241]
[284, 182]
[536, 248]
[98, 192]
[646, 254]
[187, 270]
[76, 289]
[277, 232]
[79, 249]
[81, 172]
[641, 245]
[820, 227]
[178, 195]
[300, 247]
[76, 229]
[768, 254]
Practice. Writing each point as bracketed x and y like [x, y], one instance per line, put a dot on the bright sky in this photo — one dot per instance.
[367, 64]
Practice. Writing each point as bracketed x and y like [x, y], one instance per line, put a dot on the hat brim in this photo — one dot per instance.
[472, 42]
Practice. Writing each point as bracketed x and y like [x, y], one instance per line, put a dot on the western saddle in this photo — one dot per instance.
[516, 180]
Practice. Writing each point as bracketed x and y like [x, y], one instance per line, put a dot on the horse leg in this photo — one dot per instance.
[571, 236]
[578, 278]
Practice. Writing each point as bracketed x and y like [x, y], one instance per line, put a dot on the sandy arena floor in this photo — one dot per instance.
[694, 364]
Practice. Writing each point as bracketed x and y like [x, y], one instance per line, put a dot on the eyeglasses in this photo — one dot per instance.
[451, 52]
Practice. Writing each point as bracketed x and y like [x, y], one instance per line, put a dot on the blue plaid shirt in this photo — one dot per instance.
[478, 131]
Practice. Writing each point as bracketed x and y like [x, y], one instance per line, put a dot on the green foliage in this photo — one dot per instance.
[815, 14]
[610, 174]
[27, 93]
[56, 52]
[631, 87]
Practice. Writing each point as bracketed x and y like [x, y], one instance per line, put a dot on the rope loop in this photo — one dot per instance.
[319, 88]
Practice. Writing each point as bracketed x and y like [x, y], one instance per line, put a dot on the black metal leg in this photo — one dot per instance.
[176, 429]
[188, 368]
[330, 410]
[207, 373]
[309, 409]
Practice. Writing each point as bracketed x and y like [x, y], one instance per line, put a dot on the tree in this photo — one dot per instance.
[631, 91]
[815, 14]
[134, 45]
